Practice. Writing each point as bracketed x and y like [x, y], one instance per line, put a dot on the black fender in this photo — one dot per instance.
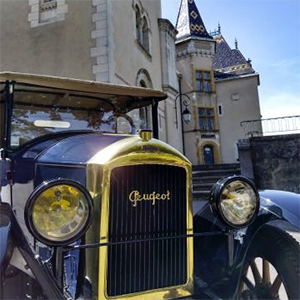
[15, 238]
[220, 252]
[283, 206]
[280, 209]
[6, 246]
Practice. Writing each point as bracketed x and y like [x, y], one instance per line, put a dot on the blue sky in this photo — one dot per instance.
[268, 32]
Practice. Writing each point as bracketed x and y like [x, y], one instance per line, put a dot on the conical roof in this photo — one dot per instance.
[189, 22]
[227, 60]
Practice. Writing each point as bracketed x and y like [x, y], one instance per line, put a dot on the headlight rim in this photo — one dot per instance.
[215, 200]
[37, 192]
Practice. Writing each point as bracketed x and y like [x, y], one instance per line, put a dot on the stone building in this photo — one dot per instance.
[127, 42]
[221, 86]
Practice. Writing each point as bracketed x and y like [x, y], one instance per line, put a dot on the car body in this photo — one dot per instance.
[88, 212]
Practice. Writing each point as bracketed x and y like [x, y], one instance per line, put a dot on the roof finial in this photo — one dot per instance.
[236, 44]
[219, 28]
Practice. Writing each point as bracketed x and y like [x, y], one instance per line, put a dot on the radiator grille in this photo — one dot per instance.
[147, 265]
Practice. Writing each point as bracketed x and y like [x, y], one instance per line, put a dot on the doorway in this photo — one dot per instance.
[208, 154]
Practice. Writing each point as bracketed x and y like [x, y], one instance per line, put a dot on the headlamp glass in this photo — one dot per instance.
[235, 200]
[59, 213]
[238, 202]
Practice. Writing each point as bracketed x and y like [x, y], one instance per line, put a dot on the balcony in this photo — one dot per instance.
[271, 126]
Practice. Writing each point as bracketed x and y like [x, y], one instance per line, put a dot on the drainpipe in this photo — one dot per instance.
[155, 118]
[180, 101]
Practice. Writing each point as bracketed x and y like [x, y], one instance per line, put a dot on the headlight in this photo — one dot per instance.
[235, 200]
[58, 212]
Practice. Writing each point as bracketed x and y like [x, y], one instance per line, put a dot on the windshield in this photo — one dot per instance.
[36, 113]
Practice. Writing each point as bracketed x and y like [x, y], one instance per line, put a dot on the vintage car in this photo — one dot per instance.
[94, 206]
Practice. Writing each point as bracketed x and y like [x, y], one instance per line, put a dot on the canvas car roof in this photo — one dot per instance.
[122, 96]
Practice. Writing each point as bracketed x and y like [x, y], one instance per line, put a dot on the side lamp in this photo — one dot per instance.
[187, 116]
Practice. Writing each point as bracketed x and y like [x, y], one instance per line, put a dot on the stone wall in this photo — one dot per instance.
[273, 162]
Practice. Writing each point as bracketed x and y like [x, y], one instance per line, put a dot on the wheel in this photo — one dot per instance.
[271, 269]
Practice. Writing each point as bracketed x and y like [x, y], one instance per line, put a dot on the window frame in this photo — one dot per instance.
[145, 34]
[203, 81]
[43, 12]
[47, 10]
[207, 121]
[142, 29]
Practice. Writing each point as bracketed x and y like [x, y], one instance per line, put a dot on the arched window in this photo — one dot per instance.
[145, 33]
[143, 84]
[138, 23]
[143, 79]
[142, 28]
[143, 111]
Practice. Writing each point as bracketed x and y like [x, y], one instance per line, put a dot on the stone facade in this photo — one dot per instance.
[102, 35]
[221, 85]
[193, 55]
[237, 101]
[127, 42]
[58, 47]
[274, 160]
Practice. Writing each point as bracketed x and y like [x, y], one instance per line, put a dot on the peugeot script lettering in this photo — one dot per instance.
[136, 196]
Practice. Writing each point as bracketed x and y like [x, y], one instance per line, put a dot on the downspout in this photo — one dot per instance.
[155, 118]
[180, 100]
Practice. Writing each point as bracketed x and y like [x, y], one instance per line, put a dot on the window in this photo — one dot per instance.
[44, 12]
[48, 3]
[206, 119]
[144, 114]
[144, 111]
[220, 110]
[137, 23]
[48, 9]
[62, 112]
[142, 29]
[145, 31]
[203, 81]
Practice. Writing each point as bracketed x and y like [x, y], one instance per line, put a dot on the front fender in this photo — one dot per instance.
[6, 247]
[213, 249]
[282, 205]
[277, 208]
[15, 238]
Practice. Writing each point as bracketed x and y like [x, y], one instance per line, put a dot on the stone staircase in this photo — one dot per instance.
[204, 177]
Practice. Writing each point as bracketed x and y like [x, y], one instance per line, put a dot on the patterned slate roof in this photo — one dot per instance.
[189, 22]
[229, 60]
